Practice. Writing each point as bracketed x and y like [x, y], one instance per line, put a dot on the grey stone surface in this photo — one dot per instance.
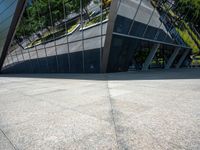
[5, 143]
[134, 110]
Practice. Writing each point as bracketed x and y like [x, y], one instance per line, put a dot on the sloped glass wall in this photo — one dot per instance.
[140, 25]
[59, 36]
[7, 9]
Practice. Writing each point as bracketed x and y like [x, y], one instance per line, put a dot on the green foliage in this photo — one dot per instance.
[185, 11]
[191, 6]
[37, 15]
[49, 36]
[187, 39]
[192, 34]
[96, 19]
[72, 28]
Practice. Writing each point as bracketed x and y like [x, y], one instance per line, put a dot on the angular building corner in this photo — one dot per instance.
[10, 15]
[111, 36]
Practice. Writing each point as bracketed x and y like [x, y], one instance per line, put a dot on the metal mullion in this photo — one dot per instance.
[74, 41]
[45, 50]
[96, 6]
[28, 53]
[147, 25]
[158, 30]
[189, 35]
[83, 52]
[51, 18]
[182, 23]
[134, 17]
[16, 56]
[170, 28]
[120, 1]
[67, 38]
[22, 53]
[5, 65]
[30, 58]
[7, 61]
[12, 59]
[44, 44]
[101, 48]
[145, 39]
[34, 45]
[150, 19]
[37, 55]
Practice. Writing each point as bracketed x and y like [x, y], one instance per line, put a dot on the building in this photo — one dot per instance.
[128, 34]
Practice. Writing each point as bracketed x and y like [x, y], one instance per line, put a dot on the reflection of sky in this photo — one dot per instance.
[7, 9]
[29, 2]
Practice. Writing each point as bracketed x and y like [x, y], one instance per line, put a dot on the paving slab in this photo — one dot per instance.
[119, 111]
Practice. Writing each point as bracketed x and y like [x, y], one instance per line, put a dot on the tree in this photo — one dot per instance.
[76, 6]
[106, 3]
[37, 15]
[191, 6]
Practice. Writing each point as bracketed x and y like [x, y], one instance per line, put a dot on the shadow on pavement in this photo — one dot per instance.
[190, 73]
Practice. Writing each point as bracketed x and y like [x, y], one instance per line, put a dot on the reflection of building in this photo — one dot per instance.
[133, 37]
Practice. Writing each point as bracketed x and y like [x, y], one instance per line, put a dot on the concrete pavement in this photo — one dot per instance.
[135, 110]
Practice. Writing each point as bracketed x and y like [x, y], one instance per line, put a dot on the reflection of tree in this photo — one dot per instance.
[106, 3]
[75, 5]
[193, 6]
[140, 57]
[37, 14]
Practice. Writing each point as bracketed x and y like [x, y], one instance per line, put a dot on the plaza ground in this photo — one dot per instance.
[133, 110]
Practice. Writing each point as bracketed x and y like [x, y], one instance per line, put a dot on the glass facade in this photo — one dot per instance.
[66, 36]
[7, 9]
[140, 26]
[92, 36]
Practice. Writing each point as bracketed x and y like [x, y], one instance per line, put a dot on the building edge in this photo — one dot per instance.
[12, 29]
